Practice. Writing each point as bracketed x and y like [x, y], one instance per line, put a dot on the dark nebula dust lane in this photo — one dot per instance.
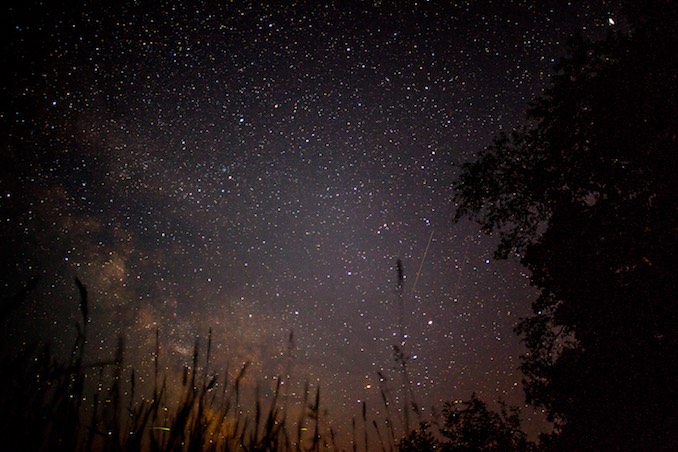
[258, 170]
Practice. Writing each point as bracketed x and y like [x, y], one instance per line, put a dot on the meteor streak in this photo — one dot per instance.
[421, 264]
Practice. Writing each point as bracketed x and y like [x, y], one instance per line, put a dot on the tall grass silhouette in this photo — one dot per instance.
[79, 404]
[49, 404]
[401, 358]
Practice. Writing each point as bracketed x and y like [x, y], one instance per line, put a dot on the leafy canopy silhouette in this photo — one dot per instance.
[470, 426]
[586, 194]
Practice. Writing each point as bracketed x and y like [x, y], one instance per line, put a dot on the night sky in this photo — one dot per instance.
[259, 170]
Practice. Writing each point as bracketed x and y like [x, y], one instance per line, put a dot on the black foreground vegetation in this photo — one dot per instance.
[79, 405]
[586, 194]
[48, 404]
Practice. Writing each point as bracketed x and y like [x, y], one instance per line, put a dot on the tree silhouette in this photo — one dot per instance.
[470, 426]
[586, 194]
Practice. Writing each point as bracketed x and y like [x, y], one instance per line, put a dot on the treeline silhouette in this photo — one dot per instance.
[586, 194]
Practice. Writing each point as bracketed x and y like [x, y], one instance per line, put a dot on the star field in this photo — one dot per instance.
[259, 169]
